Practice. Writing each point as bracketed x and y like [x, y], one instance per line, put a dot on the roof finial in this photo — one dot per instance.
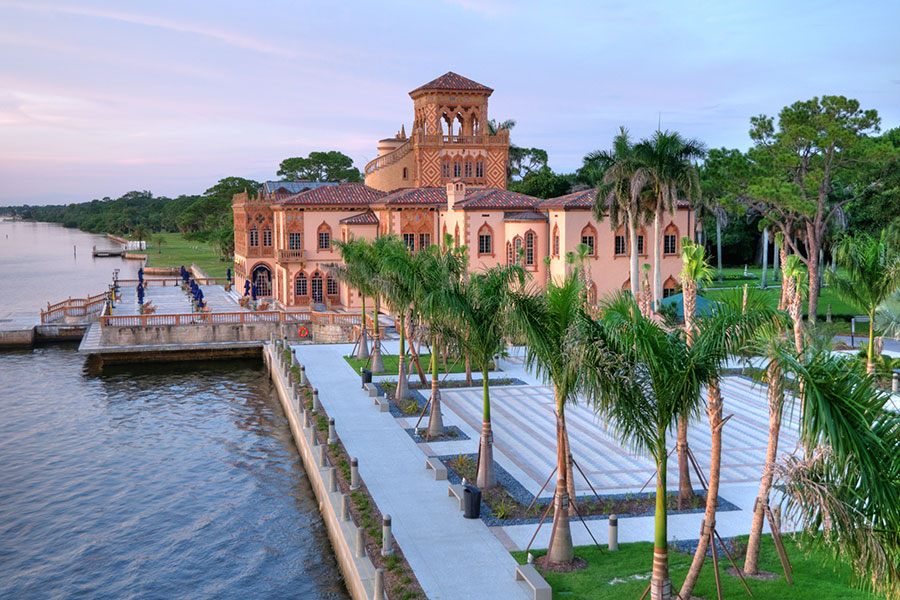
[402, 131]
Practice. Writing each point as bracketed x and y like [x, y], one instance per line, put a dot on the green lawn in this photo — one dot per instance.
[826, 297]
[814, 576]
[392, 364]
[177, 251]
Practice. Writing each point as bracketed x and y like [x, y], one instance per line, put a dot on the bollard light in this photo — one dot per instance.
[613, 533]
[332, 438]
[387, 542]
[354, 474]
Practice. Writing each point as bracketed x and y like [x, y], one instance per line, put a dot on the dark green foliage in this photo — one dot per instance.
[542, 183]
[319, 166]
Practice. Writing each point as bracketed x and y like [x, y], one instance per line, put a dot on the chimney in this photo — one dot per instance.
[456, 192]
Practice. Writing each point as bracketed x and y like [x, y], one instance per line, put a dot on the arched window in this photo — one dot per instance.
[670, 287]
[670, 240]
[479, 169]
[641, 246]
[254, 237]
[323, 234]
[267, 237]
[468, 169]
[621, 243]
[485, 240]
[332, 286]
[457, 168]
[445, 169]
[301, 288]
[517, 248]
[589, 239]
[530, 239]
[510, 258]
[555, 240]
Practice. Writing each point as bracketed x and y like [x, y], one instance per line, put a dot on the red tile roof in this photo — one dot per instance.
[357, 194]
[365, 218]
[497, 198]
[452, 81]
[577, 200]
[423, 195]
[528, 215]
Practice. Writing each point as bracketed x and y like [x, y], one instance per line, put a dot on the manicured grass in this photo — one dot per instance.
[815, 576]
[177, 251]
[826, 297]
[392, 364]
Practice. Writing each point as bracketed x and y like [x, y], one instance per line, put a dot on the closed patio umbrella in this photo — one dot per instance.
[253, 292]
[246, 287]
[140, 293]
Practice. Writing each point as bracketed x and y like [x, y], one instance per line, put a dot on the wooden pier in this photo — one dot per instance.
[107, 253]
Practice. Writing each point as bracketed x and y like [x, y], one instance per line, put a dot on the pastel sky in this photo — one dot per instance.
[99, 98]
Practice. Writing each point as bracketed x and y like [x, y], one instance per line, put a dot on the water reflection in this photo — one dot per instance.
[153, 482]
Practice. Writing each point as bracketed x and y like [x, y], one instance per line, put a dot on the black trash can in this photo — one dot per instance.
[472, 502]
[366, 376]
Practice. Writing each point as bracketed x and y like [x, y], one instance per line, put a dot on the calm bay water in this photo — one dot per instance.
[149, 481]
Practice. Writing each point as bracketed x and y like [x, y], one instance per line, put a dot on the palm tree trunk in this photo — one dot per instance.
[435, 421]
[561, 549]
[377, 362]
[570, 464]
[657, 258]
[783, 301]
[797, 316]
[402, 389]
[363, 352]
[870, 362]
[775, 380]
[764, 283]
[714, 411]
[685, 488]
[633, 256]
[719, 247]
[660, 585]
[486, 478]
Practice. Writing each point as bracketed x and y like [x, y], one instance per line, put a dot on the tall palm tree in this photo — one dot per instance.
[665, 160]
[621, 195]
[397, 283]
[440, 269]
[872, 275]
[375, 260]
[695, 270]
[643, 379]
[720, 333]
[479, 307]
[771, 343]
[545, 318]
[355, 271]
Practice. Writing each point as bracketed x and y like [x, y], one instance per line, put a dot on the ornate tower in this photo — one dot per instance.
[449, 140]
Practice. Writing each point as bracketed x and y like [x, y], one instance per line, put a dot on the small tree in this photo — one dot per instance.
[872, 268]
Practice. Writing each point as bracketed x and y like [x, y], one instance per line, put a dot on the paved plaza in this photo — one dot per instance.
[440, 544]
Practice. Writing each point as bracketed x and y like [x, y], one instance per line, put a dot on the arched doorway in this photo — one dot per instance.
[316, 287]
[262, 278]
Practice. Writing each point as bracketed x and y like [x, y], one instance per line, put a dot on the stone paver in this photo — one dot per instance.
[172, 300]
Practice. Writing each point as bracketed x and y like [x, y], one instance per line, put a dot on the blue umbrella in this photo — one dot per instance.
[246, 287]
[228, 275]
[140, 293]
[253, 292]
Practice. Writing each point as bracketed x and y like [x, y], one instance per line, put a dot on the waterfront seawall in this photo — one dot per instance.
[359, 573]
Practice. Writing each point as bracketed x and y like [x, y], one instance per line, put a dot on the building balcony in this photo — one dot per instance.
[291, 256]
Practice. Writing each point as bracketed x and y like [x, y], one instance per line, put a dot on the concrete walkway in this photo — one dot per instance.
[453, 557]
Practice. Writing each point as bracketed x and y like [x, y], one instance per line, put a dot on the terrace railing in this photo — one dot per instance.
[74, 307]
[219, 318]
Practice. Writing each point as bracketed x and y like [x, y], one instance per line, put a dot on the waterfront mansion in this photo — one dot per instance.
[447, 177]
